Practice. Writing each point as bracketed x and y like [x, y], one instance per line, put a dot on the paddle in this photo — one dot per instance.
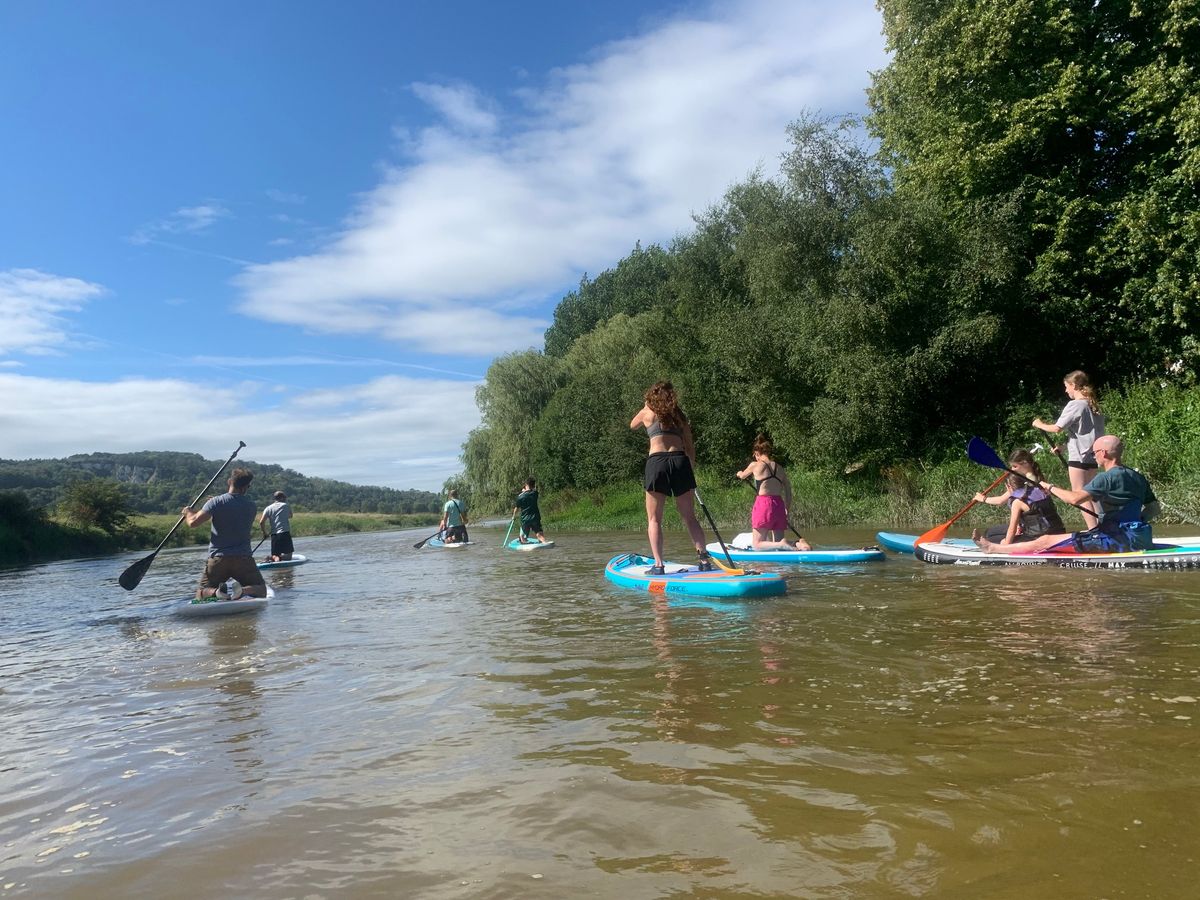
[938, 533]
[259, 544]
[731, 568]
[978, 451]
[510, 525]
[132, 576]
[419, 544]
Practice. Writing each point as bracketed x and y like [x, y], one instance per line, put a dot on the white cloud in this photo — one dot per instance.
[32, 305]
[393, 431]
[461, 105]
[491, 213]
[185, 220]
[285, 196]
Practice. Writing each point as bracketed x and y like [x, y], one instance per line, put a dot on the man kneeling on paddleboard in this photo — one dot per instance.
[1123, 497]
[229, 553]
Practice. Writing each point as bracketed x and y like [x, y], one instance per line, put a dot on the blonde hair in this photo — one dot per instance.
[1080, 381]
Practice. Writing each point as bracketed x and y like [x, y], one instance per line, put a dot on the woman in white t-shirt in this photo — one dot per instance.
[1083, 422]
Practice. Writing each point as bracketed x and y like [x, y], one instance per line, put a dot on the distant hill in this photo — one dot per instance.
[164, 481]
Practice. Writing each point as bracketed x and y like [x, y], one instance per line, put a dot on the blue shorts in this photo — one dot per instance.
[1115, 539]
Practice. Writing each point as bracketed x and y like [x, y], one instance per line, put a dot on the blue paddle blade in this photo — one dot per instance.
[980, 452]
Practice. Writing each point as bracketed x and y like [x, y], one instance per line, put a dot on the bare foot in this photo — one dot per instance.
[802, 544]
[980, 541]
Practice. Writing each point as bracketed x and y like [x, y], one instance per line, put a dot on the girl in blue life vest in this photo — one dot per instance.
[1032, 512]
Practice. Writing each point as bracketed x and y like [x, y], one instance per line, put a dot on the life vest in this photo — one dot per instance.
[1042, 517]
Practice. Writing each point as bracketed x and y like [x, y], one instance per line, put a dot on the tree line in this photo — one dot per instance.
[1021, 201]
[165, 481]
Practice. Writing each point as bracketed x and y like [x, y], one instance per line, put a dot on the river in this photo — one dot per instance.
[484, 723]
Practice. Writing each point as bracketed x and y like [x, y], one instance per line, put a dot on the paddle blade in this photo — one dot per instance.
[724, 568]
[934, 535]
[132, 576]
[978, 451]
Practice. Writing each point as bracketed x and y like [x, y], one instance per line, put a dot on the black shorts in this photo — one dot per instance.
[531, 526]
[456, 534]
[669, 473]
[1076, 464]
[282, 543]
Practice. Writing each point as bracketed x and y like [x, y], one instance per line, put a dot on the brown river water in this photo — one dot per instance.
[485, 723]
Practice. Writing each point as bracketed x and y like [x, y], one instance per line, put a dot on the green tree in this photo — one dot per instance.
[497, 453]
[99, 503]
[1085, 116]
[639, 282]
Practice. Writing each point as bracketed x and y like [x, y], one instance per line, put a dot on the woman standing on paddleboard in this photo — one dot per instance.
[1083, 422]
[670, 469]
[769, 515]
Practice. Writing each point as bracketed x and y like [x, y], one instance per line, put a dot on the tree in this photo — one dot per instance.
[98, 503]
[1085, 115]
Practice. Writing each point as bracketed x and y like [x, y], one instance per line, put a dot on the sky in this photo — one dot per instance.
[310, 226]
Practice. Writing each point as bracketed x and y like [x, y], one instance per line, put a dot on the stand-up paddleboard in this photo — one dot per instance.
[1170, 553]
[193, 608]
[515, 544]
[631, 570]
[298, 559]
[904, 543]
[439, 544]
[741, 549]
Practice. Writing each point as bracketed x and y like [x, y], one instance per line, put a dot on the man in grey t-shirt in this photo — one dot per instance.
[229, 554]
[278, 518]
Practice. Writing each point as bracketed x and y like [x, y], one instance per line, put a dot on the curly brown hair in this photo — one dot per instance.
[664, 403]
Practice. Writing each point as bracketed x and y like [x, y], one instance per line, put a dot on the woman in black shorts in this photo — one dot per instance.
[669, 469]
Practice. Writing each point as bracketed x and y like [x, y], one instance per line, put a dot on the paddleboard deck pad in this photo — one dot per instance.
[298, 559]
[515, 544]
[904, 543]
[193, 608]
[632, 571]
[741, 549]
[1168, 553]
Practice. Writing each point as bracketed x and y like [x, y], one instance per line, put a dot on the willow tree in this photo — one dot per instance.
[497, 454]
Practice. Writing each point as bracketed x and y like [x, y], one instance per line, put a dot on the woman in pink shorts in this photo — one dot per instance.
[768, 517]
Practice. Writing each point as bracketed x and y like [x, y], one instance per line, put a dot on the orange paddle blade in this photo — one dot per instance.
[934, 535]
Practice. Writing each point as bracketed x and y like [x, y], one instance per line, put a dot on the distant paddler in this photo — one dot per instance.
[531, 515]
[276, 520]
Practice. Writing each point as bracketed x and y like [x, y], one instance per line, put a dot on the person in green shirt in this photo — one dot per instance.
[454, 520]
[531, 516]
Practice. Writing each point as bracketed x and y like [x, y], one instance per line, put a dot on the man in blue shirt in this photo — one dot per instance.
[1123, 498]
[229, 553]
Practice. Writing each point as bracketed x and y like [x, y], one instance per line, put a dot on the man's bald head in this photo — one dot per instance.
[1111, 445]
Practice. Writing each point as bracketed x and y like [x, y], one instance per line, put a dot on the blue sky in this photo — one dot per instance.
[310, 226]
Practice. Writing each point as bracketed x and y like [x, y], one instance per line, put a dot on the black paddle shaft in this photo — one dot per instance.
[979, 451]
[713, 525]
[132, 576]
